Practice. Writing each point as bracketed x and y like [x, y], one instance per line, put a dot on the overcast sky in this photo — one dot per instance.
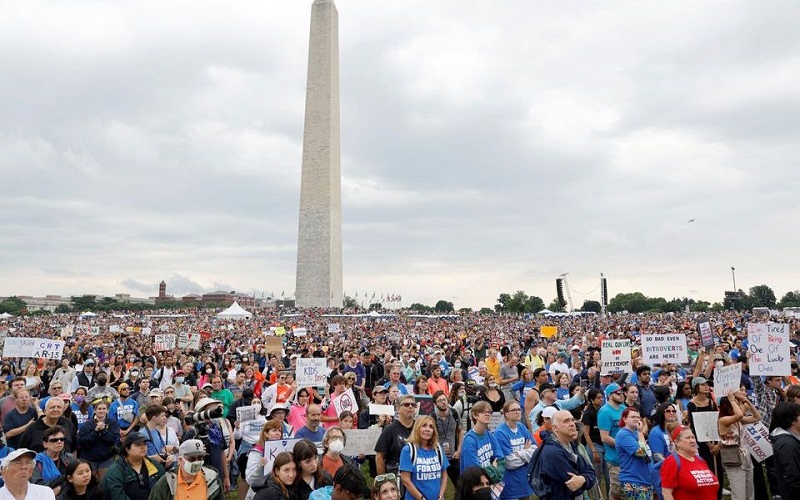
[487, 147]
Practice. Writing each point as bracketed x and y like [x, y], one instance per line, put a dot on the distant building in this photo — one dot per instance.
[228, 298]
[162, 294]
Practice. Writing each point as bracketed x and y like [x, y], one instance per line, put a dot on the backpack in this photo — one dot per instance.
[413, 450]
[535, 480]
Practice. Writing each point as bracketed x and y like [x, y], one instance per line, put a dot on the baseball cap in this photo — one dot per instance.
[191, 447]
[89, 361]
[546, 387]
[698, 380]
[207, 384]
[549, 412]
[575, 348]
[17, 454]
[134, 438]
[613, 387]
[278, 406]
[379, 388]
[155, 393]
[123, 386]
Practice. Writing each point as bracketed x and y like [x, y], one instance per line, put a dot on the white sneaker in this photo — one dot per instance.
[725, 492]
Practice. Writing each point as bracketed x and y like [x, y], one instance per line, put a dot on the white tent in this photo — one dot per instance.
[88, 314]
[6, 316]
[235, 311]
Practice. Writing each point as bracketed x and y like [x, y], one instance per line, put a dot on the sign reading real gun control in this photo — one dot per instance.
[20, 347]
[664, 348]
[616, 356]
[768, 344]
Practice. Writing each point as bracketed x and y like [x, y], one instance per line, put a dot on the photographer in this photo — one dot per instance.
[208, 425]
[98, 440]
[162, 442]
[51, 464]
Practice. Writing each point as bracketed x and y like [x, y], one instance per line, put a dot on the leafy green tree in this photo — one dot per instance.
[700, 306]
[791, 299]
[84, 303]
[555, 306]
[465, 310]
[444, 306]
[717, 307]
[634, 302]
[592, 306]
[350, 302]
[520, 302]
[534, 304]
[63, 309]
[487, 310]
[762, 296]
[13, 305]
[416, 306]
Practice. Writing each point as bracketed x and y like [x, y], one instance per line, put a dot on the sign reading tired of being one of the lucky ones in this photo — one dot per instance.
[164, 342]
[768, 344]
[706, 332]
[616, 355]
[271, 450]
[21, 347]
[756, 437]
[727, 379]
[311, 372]
[660, 348]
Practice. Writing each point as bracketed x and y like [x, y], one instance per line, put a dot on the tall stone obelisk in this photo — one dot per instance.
[319, 240]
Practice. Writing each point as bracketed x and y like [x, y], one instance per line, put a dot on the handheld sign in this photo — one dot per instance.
[376, 409]
[727, 379]
[548, 332]
[756, 437]
[705, 425]
[346, 401]
[361, 441]
[768, 344]
[334, 328]
[188, 340]
[164, 342]
[20, 347]
[616, 355]
[311, 372]
[271, 450]
[245, 413]
[664, 348]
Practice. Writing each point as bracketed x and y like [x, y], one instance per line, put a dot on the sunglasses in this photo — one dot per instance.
[408, 405]
[56, 440]
[389, 476]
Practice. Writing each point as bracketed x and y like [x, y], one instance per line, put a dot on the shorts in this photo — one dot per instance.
[615, 489]
[633, 491]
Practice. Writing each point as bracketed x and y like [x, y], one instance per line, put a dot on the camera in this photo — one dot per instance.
[201, 416]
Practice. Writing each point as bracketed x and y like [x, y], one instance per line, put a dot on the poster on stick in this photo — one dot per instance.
[188, 340]
[661, 348]
[22, 347]
[768, 344]
[705, 425]
[727, 379]
[616, 355]
[164, 342]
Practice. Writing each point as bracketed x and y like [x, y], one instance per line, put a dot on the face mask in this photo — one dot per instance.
[458, 365]
[209, 370]
[492, 384]
[192, 467]
[179, 380]
[719, 364]
[461, 394]
[336, 446]
[79, 399]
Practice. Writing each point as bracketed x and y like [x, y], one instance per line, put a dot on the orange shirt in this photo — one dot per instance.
[493, 367]
[196, 490]
[330, 465]
[441, 385]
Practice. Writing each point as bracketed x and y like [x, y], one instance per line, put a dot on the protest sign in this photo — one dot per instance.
[274, 345]
[706, 332]
[376, 409]
[311, 372]
[548, 332]
[21, 347]
[271, 450]
[425, 405]
[115, 329]
[163, 328]
[727, 379]
[94, 330]
[280, 330]
[756, 437]
[768, 344]
[334, 328]
[346, 401]
[188, 340]
[147, 330]
[299, 332]
[661, 348]
[164, 342]
[245, 413]
[616, 356]
[705, 425]
[361, 441]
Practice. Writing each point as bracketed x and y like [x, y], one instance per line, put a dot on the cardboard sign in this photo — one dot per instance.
[274, 345]
[311, 372]
[361, 441]
[548, 332]
[21, 347]
[706, 332]
[664, 348]
[376, 409]
[346, 401]
[727, 379]
[299, 332]
[768, 344]
[245, 413]
[334, 328]
[616, 355]
[271, 450]
[756, 437]
[164, 342]
[188, 340]
[705, 426]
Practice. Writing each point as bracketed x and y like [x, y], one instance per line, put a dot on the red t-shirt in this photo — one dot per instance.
[694, 480]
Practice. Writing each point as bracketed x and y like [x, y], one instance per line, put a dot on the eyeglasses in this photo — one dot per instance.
[670, 411]
[514, 410]
[56, 440]
[487, 412]
[619, 393]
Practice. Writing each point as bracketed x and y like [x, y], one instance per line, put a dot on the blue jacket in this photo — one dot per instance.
[556, 464]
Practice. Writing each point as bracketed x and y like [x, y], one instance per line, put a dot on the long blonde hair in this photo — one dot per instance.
[415, 437]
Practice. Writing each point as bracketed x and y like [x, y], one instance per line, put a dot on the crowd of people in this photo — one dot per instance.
[478, 405]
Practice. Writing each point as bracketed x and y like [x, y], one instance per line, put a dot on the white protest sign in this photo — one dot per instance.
[768, 344]
[756, 437]
[188, 340]
[94, 330]
[246, 413]
[705, 425]
[311, 372]
[661, 348]
[299, 332]
[376, 409]
[361, 441]
[163, 328]
[346, 401]
[147, 330]
[271, 450]
[727, 379]
[115, 329]
[164, 342]
[334, 328]
[21, 347]
[616, 355]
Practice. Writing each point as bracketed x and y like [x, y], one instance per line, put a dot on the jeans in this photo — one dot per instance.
[600, 466]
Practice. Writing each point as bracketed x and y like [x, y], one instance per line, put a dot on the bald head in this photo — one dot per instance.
[564, 426]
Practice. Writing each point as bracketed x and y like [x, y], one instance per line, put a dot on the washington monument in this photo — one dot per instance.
[319, 239]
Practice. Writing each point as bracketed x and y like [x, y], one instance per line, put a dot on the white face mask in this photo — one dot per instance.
[192, 467]
[336, 446]
[179, 380]
[209, 370]
[719, 364]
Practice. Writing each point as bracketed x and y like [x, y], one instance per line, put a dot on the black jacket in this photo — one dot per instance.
[786, 450]
[273, 491]
[32, 437]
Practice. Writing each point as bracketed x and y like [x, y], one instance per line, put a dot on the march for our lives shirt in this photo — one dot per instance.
[426, 472]
[516, 480]
[479, 449]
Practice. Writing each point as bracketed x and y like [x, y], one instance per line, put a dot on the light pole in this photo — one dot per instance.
[733, 274]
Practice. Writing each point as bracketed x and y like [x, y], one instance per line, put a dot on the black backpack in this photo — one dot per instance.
[540, 488]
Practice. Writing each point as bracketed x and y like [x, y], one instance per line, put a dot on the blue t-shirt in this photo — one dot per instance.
[426, 472]
[516, 480]
[608, 420]
[479, 449]
[306, 433]
[124, 413]
[632, 469]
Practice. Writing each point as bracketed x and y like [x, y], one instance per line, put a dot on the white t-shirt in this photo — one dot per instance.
[35, 492]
